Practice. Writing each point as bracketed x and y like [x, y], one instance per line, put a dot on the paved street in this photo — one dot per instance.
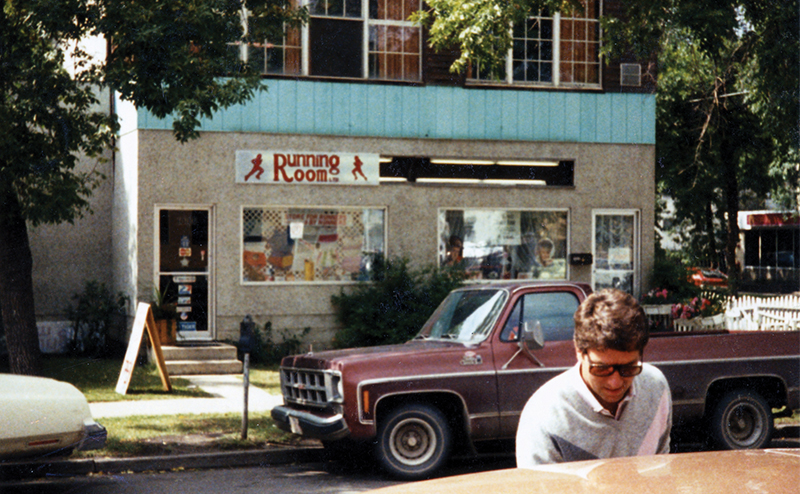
[317, 478]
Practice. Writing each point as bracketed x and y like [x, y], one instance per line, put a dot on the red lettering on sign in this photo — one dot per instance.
[281, 161]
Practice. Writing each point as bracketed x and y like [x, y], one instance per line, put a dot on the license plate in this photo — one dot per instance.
[294, 424]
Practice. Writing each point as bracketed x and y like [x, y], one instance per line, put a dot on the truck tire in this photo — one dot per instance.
[413, 441]
[742, 420]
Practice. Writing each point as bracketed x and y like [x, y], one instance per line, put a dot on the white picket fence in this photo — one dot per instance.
[780, 313]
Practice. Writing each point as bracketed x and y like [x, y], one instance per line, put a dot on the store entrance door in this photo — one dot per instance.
[616, 250]
[183, 269]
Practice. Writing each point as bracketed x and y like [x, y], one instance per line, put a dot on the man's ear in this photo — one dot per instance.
[578, 354]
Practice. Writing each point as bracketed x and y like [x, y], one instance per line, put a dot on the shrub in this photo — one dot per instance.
[671, 275]
[93, 318]
[264, 350]
[393, 307]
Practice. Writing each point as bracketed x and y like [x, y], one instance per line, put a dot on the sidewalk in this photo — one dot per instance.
[228, 392]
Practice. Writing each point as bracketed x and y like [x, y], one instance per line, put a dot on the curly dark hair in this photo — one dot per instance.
[610, 319]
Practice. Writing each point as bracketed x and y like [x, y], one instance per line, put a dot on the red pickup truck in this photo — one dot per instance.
[462, 382]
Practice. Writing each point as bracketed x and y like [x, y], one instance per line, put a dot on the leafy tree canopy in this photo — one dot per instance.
[176, 58]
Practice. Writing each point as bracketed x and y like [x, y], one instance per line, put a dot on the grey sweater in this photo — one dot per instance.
[563, 421]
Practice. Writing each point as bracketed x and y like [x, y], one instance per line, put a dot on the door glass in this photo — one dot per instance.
[614, 251]
[183, 269]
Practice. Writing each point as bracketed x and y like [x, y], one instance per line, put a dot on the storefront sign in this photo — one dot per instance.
[776, 219]
[306, 167]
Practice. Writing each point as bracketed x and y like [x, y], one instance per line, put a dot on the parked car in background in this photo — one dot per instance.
[772, 471]
[41, 416]
[708, 278]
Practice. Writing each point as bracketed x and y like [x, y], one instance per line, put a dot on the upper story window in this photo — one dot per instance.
[359, 39]
[562, 49]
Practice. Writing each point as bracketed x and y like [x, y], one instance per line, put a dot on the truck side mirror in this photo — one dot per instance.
[532, 336]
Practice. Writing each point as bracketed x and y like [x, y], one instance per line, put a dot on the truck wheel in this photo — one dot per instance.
[413, 441]
[742, 420]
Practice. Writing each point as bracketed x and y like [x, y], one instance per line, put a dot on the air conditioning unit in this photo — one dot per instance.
[630, 74]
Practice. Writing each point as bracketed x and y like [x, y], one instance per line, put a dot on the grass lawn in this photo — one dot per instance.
[97, 379]
[167, 434]
[189, 433]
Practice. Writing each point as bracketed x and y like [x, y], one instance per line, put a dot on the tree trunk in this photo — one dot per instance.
[16, 287]
[712, 256]
[732, 209]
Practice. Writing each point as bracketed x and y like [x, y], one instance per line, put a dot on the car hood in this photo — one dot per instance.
[414, 350]
[37, 405]
[720, 472]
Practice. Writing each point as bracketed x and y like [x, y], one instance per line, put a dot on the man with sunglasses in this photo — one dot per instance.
[610, 403]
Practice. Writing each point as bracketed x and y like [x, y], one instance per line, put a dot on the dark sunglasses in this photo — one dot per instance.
[605, 370]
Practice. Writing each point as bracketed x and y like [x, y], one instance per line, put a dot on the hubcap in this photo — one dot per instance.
[413, 441]
[744, 424]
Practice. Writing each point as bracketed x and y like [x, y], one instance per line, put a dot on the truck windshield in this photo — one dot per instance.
[466, 316]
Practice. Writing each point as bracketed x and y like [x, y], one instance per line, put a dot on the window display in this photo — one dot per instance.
[504, 244]
[310, 244]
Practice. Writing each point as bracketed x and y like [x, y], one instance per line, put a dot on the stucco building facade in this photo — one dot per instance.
[285, 200]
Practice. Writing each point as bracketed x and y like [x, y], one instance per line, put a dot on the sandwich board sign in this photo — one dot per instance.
[144, 319]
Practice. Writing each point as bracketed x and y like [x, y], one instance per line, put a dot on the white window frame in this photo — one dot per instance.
[509, 61]
[367, 22]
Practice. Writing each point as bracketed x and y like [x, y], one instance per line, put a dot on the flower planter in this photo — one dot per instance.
[716, 321]
[659, 316]
[166, 331]
[685, 324]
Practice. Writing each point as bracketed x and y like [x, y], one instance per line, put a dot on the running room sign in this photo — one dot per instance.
[306, 167]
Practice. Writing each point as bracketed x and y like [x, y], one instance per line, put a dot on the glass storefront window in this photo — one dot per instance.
[493, 244]
[310, 244]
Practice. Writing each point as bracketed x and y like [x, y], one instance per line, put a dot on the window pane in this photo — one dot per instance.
[309, 244]
[505, 244]
[531, 48]
[335, 47]
[411, 41]
[335, 8]
[411, 67]
[353, 8]
[409, 7]
[580, 48]
[554, 311]
[395, 51]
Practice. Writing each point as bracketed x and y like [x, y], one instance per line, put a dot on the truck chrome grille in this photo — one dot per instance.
[309, 387]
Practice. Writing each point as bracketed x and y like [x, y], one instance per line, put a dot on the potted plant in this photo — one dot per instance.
[165, 315]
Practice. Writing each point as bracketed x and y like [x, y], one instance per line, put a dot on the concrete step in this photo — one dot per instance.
[200, 367]
[201, 359]
[199, 352]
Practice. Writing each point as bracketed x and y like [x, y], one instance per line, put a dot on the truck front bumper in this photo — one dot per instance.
[323, 427]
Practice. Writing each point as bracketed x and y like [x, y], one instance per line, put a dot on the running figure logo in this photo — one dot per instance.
[357, 164]
[257, 169]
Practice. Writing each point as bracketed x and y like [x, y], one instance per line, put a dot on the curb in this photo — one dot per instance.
[65, 468]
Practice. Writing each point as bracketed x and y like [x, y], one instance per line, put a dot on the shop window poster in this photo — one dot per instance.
[309, 245]
[505, 244]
